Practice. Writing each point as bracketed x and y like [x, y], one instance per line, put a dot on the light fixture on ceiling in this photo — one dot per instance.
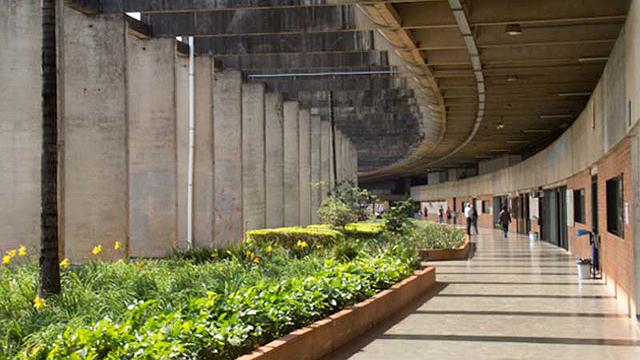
[512, 78]
[500, 126]
[574, 94]
[555, 116]
[514, 29]
[591, 59]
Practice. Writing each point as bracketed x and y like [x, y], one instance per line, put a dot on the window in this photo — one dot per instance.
[578, 206]
[485, 207]
[615, 220]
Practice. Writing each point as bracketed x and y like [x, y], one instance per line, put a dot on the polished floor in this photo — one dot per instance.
[514, 299]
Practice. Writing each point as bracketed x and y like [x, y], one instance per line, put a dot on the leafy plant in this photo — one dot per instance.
[430, 235]
[335, 212]
[345, 204]
[399, 216]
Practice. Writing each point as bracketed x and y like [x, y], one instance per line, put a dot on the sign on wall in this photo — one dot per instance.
[534, 208]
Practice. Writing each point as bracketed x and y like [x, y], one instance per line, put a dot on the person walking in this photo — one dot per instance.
[440, 215]
[474, 219]
[448, 213]
[467, 217]
[505, 220]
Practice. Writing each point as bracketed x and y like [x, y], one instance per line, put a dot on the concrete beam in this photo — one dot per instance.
[178, 6]
[227, 142]
[307, 62]
[274, 128]
[291, 164]
[253, 156]
[305, 167]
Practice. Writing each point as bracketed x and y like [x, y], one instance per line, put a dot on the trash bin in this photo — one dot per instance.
[533, 236]
[584, 269]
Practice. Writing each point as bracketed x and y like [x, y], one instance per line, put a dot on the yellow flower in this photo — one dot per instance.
[38, 303]
[22, 251]
[269, 249]
[256, 259]
[139, 266]
[12, 253]
[6, 260]
[97, 250]
[65, 263]
[318, 246]
[302, 244]
[117, 245]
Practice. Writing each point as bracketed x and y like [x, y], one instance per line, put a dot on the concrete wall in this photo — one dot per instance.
[152, 146]
[316, 137]
[95, 134]
[488, 166]
[274, 167]
[203, 174]
[227, 142]
[305, 167]
[182, 131]
[326, 160]
[253, 156]
[20, 124]
[291, 164]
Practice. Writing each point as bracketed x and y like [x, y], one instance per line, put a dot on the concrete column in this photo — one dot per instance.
[94, 113]
[152, 146]
[203, 173]
[305, 167]
[326, 161]
[20, 124]
[274, 159]
[227, 142]
[354, 167]
[316, 136]
[253, 156]
[182, 146]
[291, 164]
[338, 156]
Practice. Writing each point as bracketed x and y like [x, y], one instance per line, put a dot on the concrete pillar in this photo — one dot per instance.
[305, 167]
[152, 146]
[274, 159]
[203, 173]
[20, 124]
[326, 162]
[316, 136]
[227, 142]
[354, 167]
[253, 156]
[182, 146]
[291, 164]
[94, 112]
[338, 156]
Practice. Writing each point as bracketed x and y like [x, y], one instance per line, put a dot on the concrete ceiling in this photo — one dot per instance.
[456, 94]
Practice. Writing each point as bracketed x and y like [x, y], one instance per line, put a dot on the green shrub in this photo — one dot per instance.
[430, 235]
[336, 213]
[399, 217]
[363, 229]
[291, 237]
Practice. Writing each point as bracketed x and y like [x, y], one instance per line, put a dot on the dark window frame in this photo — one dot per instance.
[579, 213]
[614, 194]
[485, 207]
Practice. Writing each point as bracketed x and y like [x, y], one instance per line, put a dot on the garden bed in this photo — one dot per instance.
[325, 336]
[440, 241]
[459, 253]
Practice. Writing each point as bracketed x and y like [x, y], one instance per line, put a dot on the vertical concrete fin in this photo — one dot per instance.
[305, 167]
[253, 156]
[291, 164]
[274, 166]
[316, 137]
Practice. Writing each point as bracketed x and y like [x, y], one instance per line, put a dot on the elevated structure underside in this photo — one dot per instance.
[418, 85]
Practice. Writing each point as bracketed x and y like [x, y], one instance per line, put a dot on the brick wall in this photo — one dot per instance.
[580, 246]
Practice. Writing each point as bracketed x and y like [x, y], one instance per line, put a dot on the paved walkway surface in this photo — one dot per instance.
[513, 300]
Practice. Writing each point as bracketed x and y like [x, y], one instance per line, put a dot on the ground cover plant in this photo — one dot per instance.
[206, 304]
[430, 235]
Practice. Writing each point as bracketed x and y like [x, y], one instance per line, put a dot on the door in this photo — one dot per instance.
[563, 235]
[594, 204]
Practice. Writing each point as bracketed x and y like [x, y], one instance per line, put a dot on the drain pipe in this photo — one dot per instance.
[192, 124]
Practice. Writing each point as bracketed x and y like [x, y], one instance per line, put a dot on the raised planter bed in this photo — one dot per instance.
[325, 336]
[458, 253]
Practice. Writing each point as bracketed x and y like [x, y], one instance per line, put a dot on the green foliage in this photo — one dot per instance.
[290, 236]
[345, 204]
[399, 217]
[430, 235]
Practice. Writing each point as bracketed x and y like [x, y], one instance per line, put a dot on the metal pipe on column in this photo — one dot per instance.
[191, 143]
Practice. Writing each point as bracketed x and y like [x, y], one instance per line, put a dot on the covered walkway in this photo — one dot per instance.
[513, 299]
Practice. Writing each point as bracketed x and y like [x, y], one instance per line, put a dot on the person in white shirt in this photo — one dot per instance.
[467, 215]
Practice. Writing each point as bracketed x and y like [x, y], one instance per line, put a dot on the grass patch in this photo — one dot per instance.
[429, 235]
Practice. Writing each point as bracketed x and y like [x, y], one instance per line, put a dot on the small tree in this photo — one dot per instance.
[336, 213]
[399, 216]
[345, 204]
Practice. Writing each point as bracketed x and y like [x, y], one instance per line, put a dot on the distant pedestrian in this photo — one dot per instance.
[440, 215]
[505, 220]
[474, 219]
[467, 217]
[448, 213]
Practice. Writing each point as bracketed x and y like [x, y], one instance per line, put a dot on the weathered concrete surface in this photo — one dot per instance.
[326, 160]
[95, 134]
[20, 124]
[274, 168]
[182, 146]
[203, 173]
[152, 146]
[305, 167]
[253, 156]
[227, 142]
[338, 154]
[291, 164]
[316, 137]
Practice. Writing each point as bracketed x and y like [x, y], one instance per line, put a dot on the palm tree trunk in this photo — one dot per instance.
[49, 261]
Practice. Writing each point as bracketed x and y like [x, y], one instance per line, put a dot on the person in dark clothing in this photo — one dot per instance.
[474, 218]
[505, 220]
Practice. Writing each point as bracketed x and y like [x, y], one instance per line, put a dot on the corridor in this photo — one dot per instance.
[513, 300]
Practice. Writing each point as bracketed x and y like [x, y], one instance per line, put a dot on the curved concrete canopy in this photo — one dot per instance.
[475, 91]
